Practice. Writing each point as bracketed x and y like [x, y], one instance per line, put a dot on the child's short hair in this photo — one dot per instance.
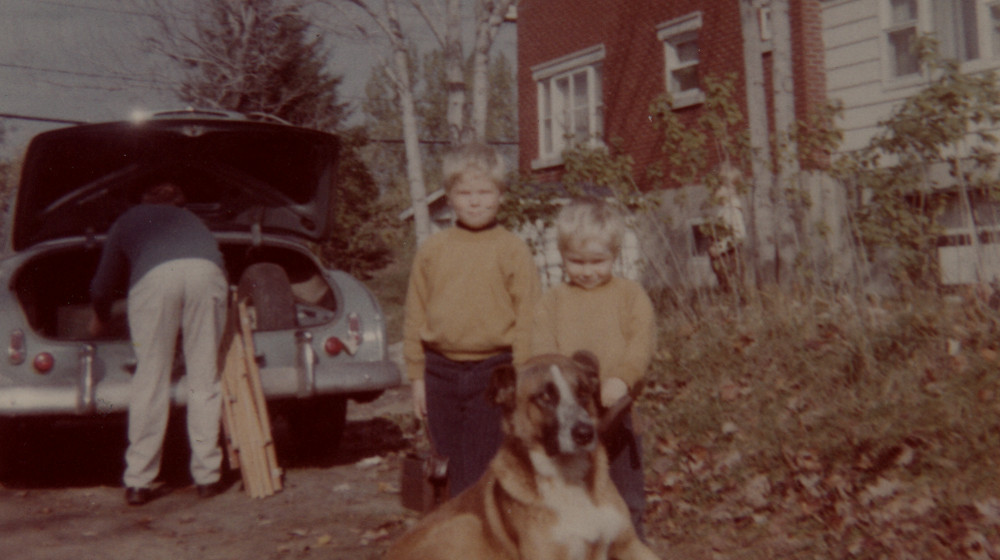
[588, 219]
[473, 158]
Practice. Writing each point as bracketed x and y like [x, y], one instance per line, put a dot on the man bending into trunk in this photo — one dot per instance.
[174, 273]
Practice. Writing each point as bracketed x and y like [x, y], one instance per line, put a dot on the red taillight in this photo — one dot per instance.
[43, 362]
[333, 346]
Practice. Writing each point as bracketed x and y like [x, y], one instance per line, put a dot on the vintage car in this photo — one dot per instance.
[267, 190]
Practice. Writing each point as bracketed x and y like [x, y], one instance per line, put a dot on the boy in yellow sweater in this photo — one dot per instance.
[468, 309]
[607, 315]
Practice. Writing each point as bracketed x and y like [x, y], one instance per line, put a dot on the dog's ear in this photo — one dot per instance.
[588, 363]
[503, 387]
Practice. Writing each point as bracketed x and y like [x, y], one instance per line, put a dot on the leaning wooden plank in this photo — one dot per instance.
[254, 439]
[245, 424]
[228, 414]
[274, 472]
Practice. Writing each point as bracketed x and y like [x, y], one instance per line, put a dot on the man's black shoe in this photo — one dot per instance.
[209, 490]
[137, 496]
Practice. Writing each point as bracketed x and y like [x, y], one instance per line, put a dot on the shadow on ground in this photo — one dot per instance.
[90, 452]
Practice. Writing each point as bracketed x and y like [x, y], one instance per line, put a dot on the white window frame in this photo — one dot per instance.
[670, 33]
[556, 116]
[987, 36]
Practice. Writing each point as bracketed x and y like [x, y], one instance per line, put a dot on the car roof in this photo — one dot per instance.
[237, 174]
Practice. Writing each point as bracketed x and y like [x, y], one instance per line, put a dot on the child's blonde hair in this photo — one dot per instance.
[589, 219]
[470, 159]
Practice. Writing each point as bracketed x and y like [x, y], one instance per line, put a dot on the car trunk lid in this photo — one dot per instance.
[238, 175]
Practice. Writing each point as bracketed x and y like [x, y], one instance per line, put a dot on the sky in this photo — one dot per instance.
[83, 60]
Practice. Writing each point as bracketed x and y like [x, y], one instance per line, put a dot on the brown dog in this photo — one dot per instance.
[546, 494]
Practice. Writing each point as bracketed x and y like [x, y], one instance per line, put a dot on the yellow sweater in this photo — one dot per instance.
[470, 297]
[615, 321]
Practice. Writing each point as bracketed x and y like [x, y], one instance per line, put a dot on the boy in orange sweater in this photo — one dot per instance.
[468, 309]
[607, 315]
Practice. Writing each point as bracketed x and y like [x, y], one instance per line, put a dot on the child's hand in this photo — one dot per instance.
[419, 395]
[612, 389]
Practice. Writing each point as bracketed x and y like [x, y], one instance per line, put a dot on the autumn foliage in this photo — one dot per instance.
[810, 427]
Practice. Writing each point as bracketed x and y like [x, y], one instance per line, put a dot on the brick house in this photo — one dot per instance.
[588, 70]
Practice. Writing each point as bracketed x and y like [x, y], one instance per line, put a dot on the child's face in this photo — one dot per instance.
[475, 200]
[588, 265]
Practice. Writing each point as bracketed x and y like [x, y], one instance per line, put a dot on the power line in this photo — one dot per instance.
[39, 119]
[121, 77]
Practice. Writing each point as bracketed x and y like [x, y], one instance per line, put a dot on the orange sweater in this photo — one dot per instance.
[615, 321]
[470, 297]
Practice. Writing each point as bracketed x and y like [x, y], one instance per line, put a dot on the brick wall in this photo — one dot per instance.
[634, 61]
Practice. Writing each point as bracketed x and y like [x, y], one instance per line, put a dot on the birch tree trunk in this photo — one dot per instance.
[454, 60]
[402, 77]
[490, 16]
[760, 215]
[789, 224]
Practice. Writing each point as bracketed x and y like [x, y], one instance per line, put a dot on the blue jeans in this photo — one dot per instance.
[464, 426]
[624, 449]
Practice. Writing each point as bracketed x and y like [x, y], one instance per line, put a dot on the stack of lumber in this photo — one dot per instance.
[244, 411]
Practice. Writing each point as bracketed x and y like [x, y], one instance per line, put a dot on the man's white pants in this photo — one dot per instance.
[188, 295]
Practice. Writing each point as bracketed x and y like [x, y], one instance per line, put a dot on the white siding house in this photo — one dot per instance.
[870, 68]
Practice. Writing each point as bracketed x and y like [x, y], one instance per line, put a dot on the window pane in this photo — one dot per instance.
[903, 11]
[547, 136]
[598, 93]
[969, 31]
[581, 128]
[995, 28]
[545, 100]
[685, 78]
[580, 90]
[954, 24]
[904, 61]
[687, 50]
[581, 108]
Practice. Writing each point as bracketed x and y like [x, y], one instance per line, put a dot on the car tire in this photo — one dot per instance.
[315, 426]
[267, 289]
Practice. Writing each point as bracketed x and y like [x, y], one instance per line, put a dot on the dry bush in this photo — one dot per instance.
[826, 427]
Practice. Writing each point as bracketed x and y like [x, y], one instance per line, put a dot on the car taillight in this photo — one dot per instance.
[333, 346]
[43, 362]
[350, 343]
[16, 352]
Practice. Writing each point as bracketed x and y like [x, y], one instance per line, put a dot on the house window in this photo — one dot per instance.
[570, 103]
[682, 55]
[900, 35]
[994, 28]
[953, 23]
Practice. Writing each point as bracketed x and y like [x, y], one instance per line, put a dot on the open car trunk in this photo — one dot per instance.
[53, 289]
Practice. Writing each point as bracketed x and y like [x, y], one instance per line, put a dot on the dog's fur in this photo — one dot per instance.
[546, 495]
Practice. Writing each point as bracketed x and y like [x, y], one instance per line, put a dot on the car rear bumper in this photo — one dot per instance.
[87, 397]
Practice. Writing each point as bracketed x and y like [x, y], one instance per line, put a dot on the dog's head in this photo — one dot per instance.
[551, 401]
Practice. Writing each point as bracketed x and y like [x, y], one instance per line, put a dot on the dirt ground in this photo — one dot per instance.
[62, 499]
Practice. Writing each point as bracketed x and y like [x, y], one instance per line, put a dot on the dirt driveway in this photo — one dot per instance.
[63, 498]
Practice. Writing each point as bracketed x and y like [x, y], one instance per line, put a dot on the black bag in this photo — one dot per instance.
[424, 482]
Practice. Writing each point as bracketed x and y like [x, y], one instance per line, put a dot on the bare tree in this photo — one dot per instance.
[444, 19]
[388, 21]
[490, 15]
[255, 57]
[447, 28]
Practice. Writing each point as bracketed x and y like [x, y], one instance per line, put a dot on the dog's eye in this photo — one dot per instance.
[548, 396]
